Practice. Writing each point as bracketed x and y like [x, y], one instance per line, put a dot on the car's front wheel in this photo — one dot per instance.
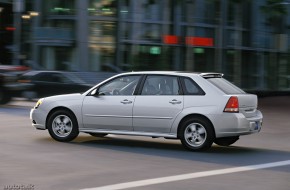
[62, 126]
[196, 134]
[226, 141]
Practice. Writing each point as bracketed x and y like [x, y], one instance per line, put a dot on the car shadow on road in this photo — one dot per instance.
[232, 155]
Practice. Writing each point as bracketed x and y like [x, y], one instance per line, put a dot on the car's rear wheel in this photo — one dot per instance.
[196, 134]
[226, 141]
[98, 134]
[62, 126]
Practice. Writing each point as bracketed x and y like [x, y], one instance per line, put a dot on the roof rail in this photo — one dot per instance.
[212, 75]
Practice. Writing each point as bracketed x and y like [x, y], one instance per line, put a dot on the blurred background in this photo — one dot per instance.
[247, 40]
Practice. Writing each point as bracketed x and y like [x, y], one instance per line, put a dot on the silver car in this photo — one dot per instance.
[198, 108]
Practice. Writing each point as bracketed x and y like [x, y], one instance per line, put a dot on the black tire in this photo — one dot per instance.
[5, 96]
[196, 134]
[226, 141]
[63, 126]
[98, 134]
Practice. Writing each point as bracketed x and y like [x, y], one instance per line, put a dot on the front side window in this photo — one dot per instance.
[160, 85]
[120, 86]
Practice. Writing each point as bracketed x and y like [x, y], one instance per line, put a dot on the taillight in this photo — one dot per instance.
[232, 105]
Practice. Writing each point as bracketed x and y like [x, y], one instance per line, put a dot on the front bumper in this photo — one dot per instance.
[37, 117]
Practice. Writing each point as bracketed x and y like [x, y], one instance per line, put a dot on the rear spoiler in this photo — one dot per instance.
[211, 75]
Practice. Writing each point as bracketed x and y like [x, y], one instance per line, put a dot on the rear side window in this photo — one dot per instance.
[226, 86]
[160, 85]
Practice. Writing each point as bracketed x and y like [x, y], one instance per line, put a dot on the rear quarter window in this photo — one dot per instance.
[190, 87]
[225, 86]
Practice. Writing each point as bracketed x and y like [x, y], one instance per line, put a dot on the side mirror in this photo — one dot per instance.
[96, 93]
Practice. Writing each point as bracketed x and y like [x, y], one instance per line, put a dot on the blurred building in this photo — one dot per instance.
[6, 32]
[248, 40]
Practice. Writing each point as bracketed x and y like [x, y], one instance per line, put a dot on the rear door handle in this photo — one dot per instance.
[126, 101]
[174, 101]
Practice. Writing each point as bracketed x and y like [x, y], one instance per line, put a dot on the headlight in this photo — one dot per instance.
[39, 102]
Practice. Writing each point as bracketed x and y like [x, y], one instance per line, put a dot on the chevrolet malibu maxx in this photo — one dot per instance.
[198, 108]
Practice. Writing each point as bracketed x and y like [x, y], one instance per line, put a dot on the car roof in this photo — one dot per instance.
[180, 73]
[30, 73]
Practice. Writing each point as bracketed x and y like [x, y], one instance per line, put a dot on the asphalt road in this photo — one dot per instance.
[30, 159]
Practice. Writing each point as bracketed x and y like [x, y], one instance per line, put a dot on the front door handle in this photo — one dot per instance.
[126, 101]
[174, 101]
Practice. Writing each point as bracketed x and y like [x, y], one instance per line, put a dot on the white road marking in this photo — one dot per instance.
[189, 176]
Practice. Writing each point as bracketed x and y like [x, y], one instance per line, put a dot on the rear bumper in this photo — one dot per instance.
[236, 124]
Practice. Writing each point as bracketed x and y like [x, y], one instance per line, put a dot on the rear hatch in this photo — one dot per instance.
[247, 102]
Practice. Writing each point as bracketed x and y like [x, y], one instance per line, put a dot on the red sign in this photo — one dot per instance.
[189, 40]
[199, 41]
[10, 28]
[170, 39]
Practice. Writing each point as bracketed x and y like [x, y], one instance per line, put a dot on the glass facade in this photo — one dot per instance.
[106, 8]
[234, 37]
[102, 45]
[57, 7]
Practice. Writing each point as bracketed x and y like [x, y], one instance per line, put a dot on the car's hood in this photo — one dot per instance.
[63, 97]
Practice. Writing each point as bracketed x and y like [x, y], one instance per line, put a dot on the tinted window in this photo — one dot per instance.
[191, 88]
[53, 77]
[225, 86]
[160, 85]
[120, 86]
[44, 77]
